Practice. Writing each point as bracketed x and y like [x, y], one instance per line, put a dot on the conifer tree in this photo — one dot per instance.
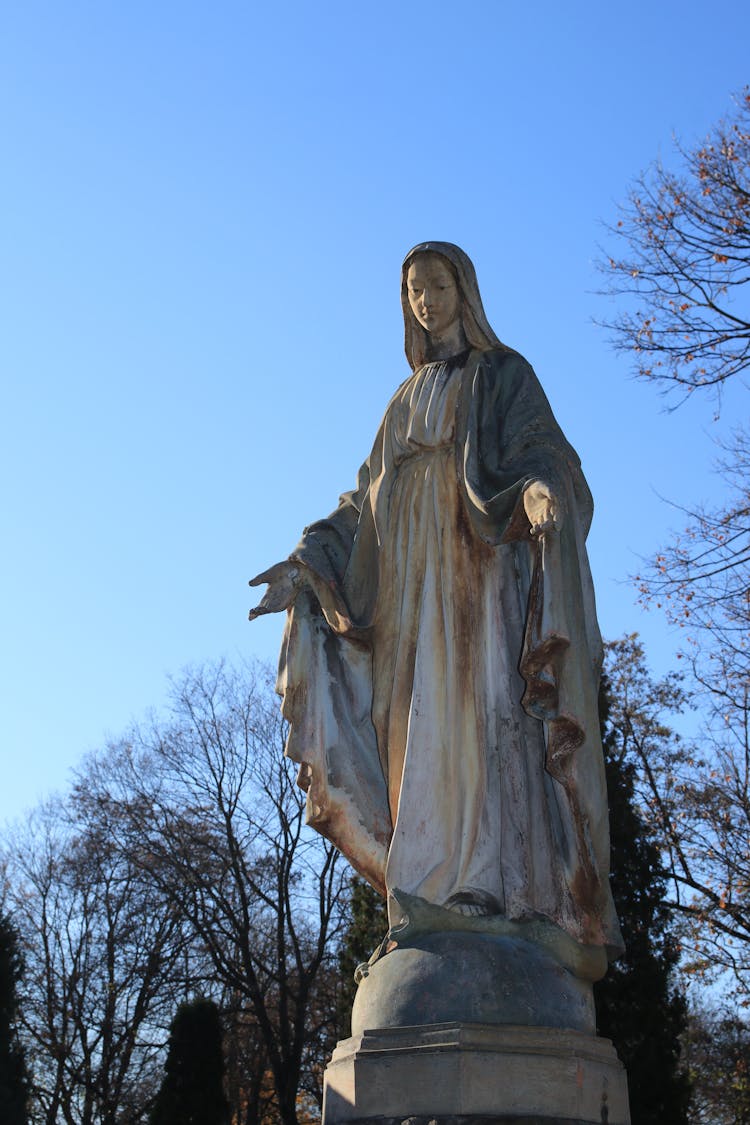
[638, 1006]
[14, 1083]
[192, 1091]
[368, 923]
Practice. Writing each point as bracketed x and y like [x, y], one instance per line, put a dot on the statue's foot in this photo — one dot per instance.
[472, 911]
[472, 904]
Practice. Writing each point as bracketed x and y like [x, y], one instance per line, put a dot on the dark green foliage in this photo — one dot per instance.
[14, 1084]
[192, 1091]
[368, 923]
[638, 1006]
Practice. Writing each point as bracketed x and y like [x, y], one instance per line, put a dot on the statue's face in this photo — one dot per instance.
[433, 294]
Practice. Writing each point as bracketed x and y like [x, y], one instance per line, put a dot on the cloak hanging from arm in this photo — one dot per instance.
[507, 436]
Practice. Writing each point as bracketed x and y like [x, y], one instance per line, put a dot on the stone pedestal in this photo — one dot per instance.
[476, 1021]
[454, 1073]
[465, 977]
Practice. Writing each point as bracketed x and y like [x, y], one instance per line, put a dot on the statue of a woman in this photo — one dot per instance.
[441, 657]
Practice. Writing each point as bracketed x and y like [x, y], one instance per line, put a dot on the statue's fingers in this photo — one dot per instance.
[257, 611]
[260, 579]
[557, 514]
[270, 575]
[278, 596]
[544, 524]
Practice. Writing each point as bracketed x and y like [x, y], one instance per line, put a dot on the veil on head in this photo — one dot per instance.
[476, 327]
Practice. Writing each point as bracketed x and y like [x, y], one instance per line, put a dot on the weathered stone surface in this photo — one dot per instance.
[469, 977]
[467, 1119]
[472, 1071]
[459, 1119]
[440, 663]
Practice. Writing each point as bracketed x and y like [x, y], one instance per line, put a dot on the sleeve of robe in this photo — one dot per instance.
[325, 680]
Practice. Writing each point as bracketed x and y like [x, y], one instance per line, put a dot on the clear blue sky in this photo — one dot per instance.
[203, 210]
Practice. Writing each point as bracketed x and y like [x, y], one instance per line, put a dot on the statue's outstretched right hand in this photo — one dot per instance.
[284, 583]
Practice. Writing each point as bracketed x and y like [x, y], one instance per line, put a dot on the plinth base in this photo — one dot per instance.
[454, 1073]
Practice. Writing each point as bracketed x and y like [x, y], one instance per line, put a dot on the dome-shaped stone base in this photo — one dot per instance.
[471, 977]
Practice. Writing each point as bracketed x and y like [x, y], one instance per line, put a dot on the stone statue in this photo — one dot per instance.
[441, 658]
[439, 672]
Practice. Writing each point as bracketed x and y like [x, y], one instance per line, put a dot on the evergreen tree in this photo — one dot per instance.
[192, 1091]
[638, 1006]
[368, 924]
[14, 1083]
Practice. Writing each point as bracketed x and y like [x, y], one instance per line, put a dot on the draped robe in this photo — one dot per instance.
[440, 671]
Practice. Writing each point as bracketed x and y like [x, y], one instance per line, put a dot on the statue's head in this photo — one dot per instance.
[434, 294]
[456, 296]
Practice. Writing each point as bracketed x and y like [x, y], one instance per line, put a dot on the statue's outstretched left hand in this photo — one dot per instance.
[542, 507]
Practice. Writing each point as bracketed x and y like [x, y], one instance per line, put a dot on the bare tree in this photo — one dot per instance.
[717, 1050]
[210, 810]
[681, 269]
[679, 266]
[701, 578]
[698, 799]
[101, 953]
[249, 1080]
[680, 262]
[179, 864]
